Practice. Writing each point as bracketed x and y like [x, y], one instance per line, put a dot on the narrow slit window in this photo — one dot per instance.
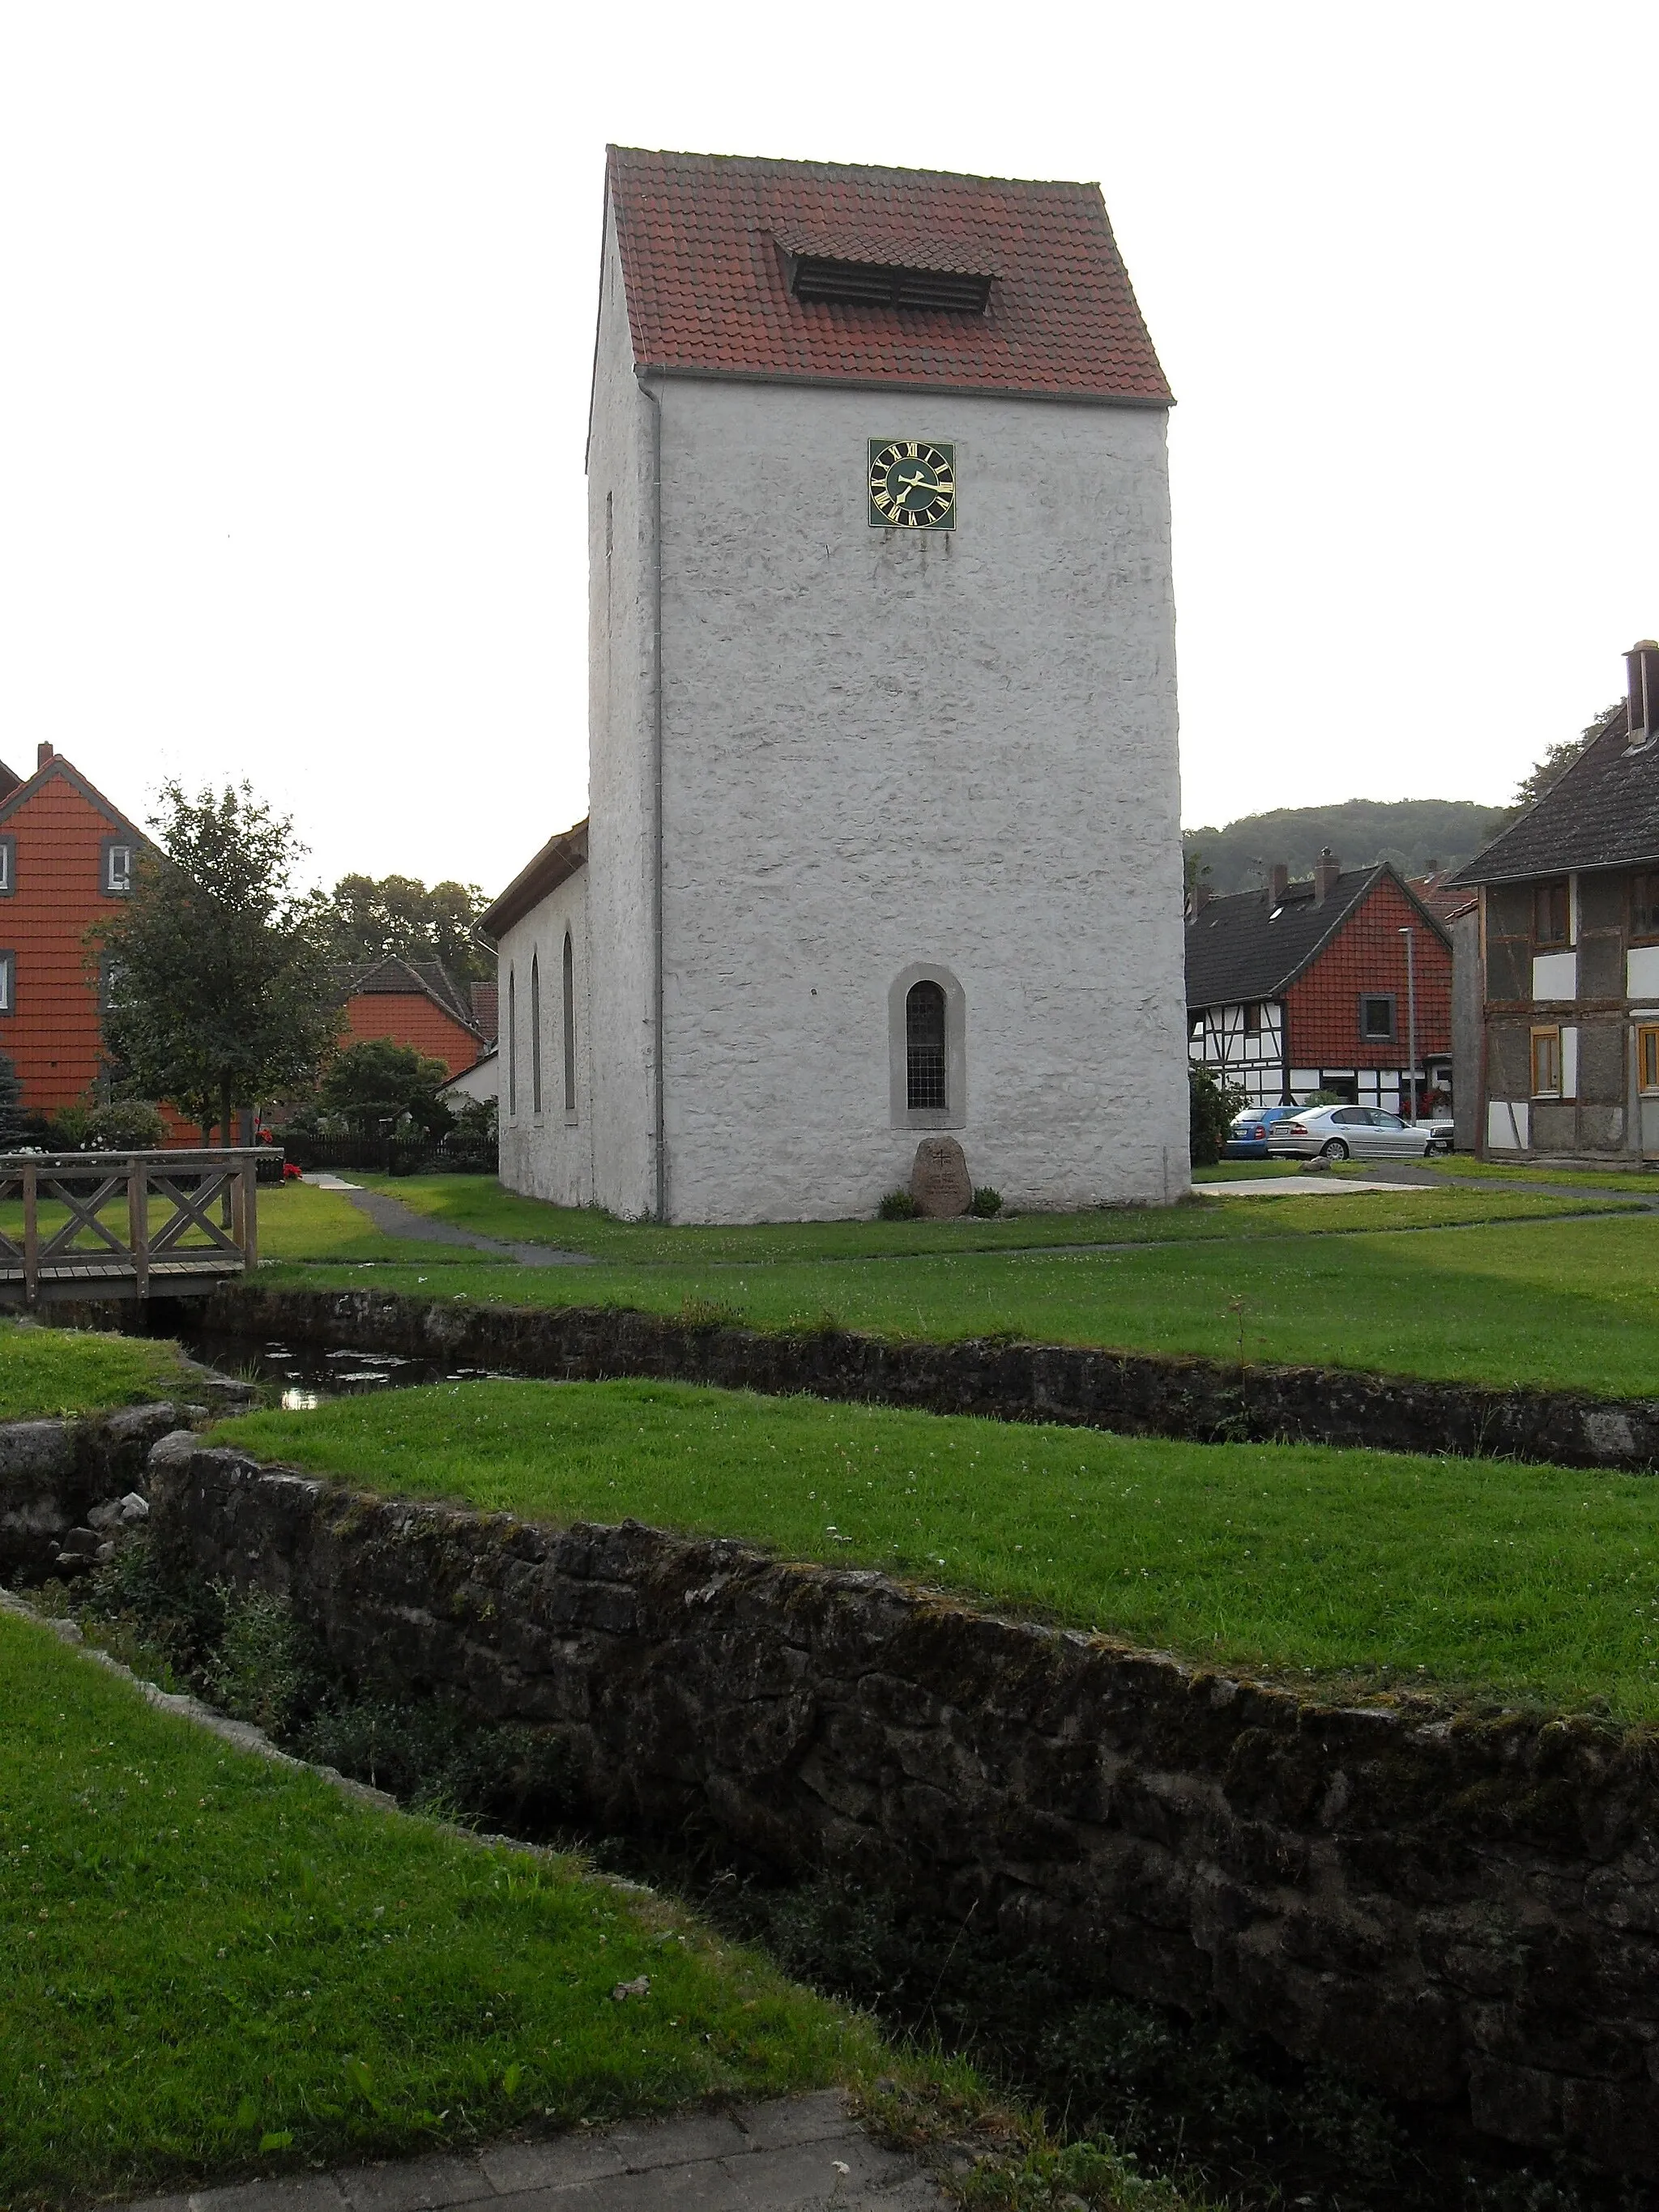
[535, 1032]
[924, 1047]
[512, 1043]
[1647, 1060]
[569, 1026]
[1547, 1063]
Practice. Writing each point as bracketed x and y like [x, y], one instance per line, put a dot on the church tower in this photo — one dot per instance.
[884, 818]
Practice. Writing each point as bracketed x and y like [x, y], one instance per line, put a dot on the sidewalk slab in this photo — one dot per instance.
[793, 2155]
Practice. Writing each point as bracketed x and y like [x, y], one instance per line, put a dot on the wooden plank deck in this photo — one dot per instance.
[136, 1224]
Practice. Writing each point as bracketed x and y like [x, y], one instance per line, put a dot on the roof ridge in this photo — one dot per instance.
[781, 165]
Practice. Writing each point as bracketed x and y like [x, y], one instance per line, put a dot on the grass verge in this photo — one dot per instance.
[1522, 1584]
[209, 1960]
[46, 1371]
[1561, 1304]
[477, 1203]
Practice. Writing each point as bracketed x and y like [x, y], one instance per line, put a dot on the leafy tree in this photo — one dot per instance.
[1551, 766]
[370, 919]
[218, 980]
[376, 1081]
[1422, 833]
[1213, 1106]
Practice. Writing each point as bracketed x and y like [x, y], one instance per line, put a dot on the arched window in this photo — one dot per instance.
[569, 1026]
[512, 1042]
[536, 1032]
[924, 1047]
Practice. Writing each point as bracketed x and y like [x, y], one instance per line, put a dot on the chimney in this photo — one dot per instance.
[42, 754]
[1326, 869]
[1197, 899]
[1642, 662]
[1278, 885]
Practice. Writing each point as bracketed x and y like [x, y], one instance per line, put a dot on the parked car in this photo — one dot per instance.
[1362, 1132]
[1246, 1138]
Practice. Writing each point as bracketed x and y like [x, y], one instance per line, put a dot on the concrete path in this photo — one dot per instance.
[393, 1218]
[797, 2154]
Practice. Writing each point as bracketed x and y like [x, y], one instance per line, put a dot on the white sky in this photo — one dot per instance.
[298, 308]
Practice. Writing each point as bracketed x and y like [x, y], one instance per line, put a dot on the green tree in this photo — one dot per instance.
[372, 918]
[376, 1081]
[1212, 1107]
[217, 974]
[1551, 766]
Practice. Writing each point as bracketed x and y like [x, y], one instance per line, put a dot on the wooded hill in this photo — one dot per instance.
[1417, 834]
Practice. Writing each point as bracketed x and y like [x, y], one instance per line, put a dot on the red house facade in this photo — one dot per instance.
[1310, 986]
[66, 862]
[418, 1003]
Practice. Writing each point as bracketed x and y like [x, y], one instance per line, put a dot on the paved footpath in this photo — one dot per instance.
[393, 1218]
[797, 2155]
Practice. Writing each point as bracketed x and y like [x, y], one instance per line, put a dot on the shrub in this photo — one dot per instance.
[986, 1201]
[898, 1206]
[1213, 1106]
[130, 1125]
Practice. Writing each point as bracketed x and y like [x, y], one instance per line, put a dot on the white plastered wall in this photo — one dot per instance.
[548, 1154]
[884, 749]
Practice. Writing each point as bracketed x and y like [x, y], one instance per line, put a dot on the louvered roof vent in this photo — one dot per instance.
[817, 280]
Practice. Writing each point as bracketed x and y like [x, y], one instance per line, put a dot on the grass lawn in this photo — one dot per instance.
[477, 1202]
[1564, 1304]
[297, 1221]
[1526, 1583]
[209, 1961]
[57, 1370]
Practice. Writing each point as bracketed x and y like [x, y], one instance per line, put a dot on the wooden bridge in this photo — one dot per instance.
[126, 1224]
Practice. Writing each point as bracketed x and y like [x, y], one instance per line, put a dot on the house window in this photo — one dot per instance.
[536, 1032]
[7, 865]
[924, 1046]
[1647, 1059]
[1377, 1016]
[118, 867]
[8, 978]
[1253, 1019]
[512, 1042]
[1552, 914]
[1547, 1063]
[1645, 905]
[569, 1026]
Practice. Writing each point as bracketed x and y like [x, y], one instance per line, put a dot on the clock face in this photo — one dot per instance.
[913, 484]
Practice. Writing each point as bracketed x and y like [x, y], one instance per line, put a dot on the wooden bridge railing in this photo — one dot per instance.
[191, 1222]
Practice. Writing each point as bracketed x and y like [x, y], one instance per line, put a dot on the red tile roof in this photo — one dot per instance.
[706, 240]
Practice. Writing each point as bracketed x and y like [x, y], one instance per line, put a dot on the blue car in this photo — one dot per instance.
[1247, 1137]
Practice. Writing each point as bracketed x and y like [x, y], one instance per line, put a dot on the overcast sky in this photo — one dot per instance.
[298, 308]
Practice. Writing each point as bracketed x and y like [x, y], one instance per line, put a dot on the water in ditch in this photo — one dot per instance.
[302, 1376]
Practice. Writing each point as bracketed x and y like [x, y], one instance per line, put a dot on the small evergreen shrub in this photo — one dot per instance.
[986, 1201]
[898, 1206]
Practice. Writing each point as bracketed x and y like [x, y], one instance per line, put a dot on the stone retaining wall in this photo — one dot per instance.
[1139, 1393]
[53, 1473]
[1457, 1910]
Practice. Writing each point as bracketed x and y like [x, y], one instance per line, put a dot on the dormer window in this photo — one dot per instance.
[818, 281]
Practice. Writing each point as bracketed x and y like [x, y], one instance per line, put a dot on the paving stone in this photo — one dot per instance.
[159, 2204]
[420, 2185]
[300, 2192]
[786, 2120]
[635, 2147]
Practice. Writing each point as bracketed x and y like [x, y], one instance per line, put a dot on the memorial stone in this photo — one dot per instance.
[940, 1182]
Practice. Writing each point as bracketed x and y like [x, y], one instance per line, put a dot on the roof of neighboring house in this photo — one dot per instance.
[55, 768]
[1441, 892]
[1603, 812]
[558, 859]
[1242, 948]
[428, 979]
[708, 241]
[486, 1009]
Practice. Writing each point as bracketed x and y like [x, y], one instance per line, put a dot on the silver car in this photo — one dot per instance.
[1362, 1132]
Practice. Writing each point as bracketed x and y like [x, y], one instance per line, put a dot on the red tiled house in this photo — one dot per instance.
[418, 1003]
[1305, 987]
[66, 861]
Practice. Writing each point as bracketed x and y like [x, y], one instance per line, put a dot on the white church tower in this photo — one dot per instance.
[883, 810]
